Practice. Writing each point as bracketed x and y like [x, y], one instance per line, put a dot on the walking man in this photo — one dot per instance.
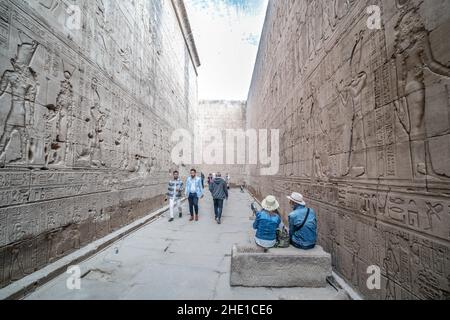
[219, 193]
[194, 192]
[174, 193]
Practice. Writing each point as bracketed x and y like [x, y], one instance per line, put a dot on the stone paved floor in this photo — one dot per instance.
[181, 260]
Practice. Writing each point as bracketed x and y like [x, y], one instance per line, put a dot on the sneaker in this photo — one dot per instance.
[218, 221]
[171, 220]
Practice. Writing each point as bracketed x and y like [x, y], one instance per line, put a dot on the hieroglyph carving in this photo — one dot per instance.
[365, 121]
[84, 144]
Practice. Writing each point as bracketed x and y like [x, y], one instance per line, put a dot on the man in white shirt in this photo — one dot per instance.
[175, 190]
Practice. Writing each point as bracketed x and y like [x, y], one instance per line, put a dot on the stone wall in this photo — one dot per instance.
[86, 112]
[223, 116]
[365, 134]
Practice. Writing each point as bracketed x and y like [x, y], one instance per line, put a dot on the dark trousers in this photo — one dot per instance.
[193, 203]
[218, 208]
[302, 247]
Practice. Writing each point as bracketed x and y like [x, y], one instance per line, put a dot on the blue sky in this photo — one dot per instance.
[227, 34]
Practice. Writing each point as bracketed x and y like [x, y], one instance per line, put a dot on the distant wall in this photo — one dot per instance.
[365, 134]
[221, 115]
[85, 119]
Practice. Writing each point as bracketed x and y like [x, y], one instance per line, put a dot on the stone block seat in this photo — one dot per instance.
[279, 267]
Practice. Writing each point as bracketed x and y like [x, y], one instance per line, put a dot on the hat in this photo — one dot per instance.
[270, 203]
[297, 198]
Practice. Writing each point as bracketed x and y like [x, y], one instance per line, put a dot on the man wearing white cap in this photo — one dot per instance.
[302, 223]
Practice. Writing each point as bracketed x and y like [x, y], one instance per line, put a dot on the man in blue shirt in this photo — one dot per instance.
[194, 192]
[302, 223]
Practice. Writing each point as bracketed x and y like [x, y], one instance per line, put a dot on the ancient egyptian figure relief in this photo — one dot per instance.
[98, 120]
[321, 22]
[351, 97]
[122, 141]
[90, 151]
[102, 29]
[23, 86]
[414, 54]
[62, 114]
[320, 136]
[393, 101]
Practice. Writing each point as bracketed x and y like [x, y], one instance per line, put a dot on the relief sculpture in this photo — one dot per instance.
[351, 98]
[23, 85]
[98, 118]
[78, 110]
[62, 114]
[370, 121]
[414, 54]
[321, 151]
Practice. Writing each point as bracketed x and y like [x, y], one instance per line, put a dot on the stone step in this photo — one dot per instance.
[280, 267]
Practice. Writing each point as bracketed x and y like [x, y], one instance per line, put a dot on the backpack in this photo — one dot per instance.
[283, 239]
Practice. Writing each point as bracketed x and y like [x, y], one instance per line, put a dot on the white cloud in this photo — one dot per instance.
[227, 34]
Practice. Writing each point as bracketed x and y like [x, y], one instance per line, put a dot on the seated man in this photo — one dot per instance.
[267, 223]
[302, 223]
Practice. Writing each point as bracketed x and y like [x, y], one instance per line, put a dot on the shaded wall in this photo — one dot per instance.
[85, 119]
[365, 134]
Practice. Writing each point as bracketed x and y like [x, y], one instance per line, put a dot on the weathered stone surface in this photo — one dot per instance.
[226, 117]
[364, 119]
[155, 262]
[289, 267]
[86, 113]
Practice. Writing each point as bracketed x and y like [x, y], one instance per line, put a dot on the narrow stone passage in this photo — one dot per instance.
[181, 260]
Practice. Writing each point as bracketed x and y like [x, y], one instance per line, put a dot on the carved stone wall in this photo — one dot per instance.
[221, 115]
[365, 134]
[85, 120]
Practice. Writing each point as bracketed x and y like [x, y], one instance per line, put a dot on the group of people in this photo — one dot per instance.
[194, 191]
[302, 230]
[268, 224]
[213, 176]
